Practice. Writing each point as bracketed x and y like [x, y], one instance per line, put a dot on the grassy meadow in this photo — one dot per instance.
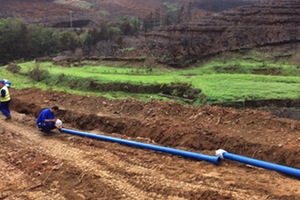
[220, 80]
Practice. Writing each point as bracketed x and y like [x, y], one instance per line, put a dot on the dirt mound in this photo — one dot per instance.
[65, 166]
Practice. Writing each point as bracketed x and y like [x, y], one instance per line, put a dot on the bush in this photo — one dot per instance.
[13, 68]
[38, 74]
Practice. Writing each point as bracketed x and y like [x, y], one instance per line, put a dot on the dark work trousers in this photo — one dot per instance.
[46, 127]
[4, 108]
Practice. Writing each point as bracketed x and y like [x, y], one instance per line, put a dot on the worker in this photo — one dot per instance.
[4, 100]
[47, 120]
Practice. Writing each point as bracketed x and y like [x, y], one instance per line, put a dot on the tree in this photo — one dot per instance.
[9, 37]
[18, 40]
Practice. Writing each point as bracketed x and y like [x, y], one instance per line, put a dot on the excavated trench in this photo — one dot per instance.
[205, 129]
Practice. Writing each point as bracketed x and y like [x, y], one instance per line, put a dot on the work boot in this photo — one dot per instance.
[8, 118]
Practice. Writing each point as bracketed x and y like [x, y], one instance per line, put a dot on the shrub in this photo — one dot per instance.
[13, 68]
[38, 74]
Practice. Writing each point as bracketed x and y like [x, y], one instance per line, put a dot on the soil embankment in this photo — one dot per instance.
[286, 108]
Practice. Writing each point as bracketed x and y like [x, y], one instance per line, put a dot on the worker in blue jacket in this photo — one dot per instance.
[46, 120]
[4, 100]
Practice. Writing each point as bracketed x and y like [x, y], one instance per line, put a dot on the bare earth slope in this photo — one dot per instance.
[46, 13]
[65, 166]
[264, 24]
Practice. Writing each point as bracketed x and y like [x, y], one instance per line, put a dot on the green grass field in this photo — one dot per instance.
[220, 81]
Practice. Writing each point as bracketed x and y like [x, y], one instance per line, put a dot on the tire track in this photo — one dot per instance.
[151, 177]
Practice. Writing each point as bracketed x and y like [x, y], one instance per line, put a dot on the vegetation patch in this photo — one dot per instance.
[38, 74]
[215, 81]
[13, 68]
[182, 90]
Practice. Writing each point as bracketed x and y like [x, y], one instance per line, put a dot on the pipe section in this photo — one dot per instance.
[197, 156]
[258, 163]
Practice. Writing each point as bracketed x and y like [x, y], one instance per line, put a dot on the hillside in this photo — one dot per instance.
[52, 12]
[196, 30]
[266, 24]
[140, 8]
[47, 13]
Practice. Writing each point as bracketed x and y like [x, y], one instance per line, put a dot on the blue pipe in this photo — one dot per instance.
[258, 163]
[197, 156]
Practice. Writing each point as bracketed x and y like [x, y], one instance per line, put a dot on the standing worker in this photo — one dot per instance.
[47, 119]
[4, 100]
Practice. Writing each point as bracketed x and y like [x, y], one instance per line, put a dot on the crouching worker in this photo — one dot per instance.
[4, 100]
[47, 120]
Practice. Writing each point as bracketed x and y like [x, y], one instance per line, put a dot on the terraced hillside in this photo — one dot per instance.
[265, 24]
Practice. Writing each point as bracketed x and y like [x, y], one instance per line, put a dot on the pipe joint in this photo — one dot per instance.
[220, 153]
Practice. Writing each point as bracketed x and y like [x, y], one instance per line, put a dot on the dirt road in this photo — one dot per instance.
[63, 166]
